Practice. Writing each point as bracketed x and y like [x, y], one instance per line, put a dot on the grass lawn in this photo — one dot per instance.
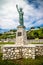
[14, 43]
[22, 62]
[37, 61]
[7, 43]
[37, 43]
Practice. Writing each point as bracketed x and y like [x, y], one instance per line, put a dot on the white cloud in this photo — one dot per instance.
[9, 14]
[8, 24]
[37, 23]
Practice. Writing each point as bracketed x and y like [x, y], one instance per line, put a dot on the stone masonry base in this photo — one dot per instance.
[26, 51]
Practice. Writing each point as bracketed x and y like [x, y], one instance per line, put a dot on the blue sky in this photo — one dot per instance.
[33, 13]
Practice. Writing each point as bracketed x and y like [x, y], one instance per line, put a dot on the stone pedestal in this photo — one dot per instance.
[21, 38]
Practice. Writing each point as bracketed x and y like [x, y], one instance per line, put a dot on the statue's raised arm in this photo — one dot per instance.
[17, 8]
[20, 15]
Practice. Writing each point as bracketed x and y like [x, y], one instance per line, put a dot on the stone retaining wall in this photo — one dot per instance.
[35, 41]
[39, 50]
[25, 51]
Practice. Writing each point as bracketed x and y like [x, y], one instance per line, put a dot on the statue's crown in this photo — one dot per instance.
[20, 8]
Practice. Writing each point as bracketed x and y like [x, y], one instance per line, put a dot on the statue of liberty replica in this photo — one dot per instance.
[21, 37]
[20, 15]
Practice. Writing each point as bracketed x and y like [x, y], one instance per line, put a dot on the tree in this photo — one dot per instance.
[32, 27]
[0, 34]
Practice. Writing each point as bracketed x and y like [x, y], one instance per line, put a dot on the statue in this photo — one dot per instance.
[20, 15]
